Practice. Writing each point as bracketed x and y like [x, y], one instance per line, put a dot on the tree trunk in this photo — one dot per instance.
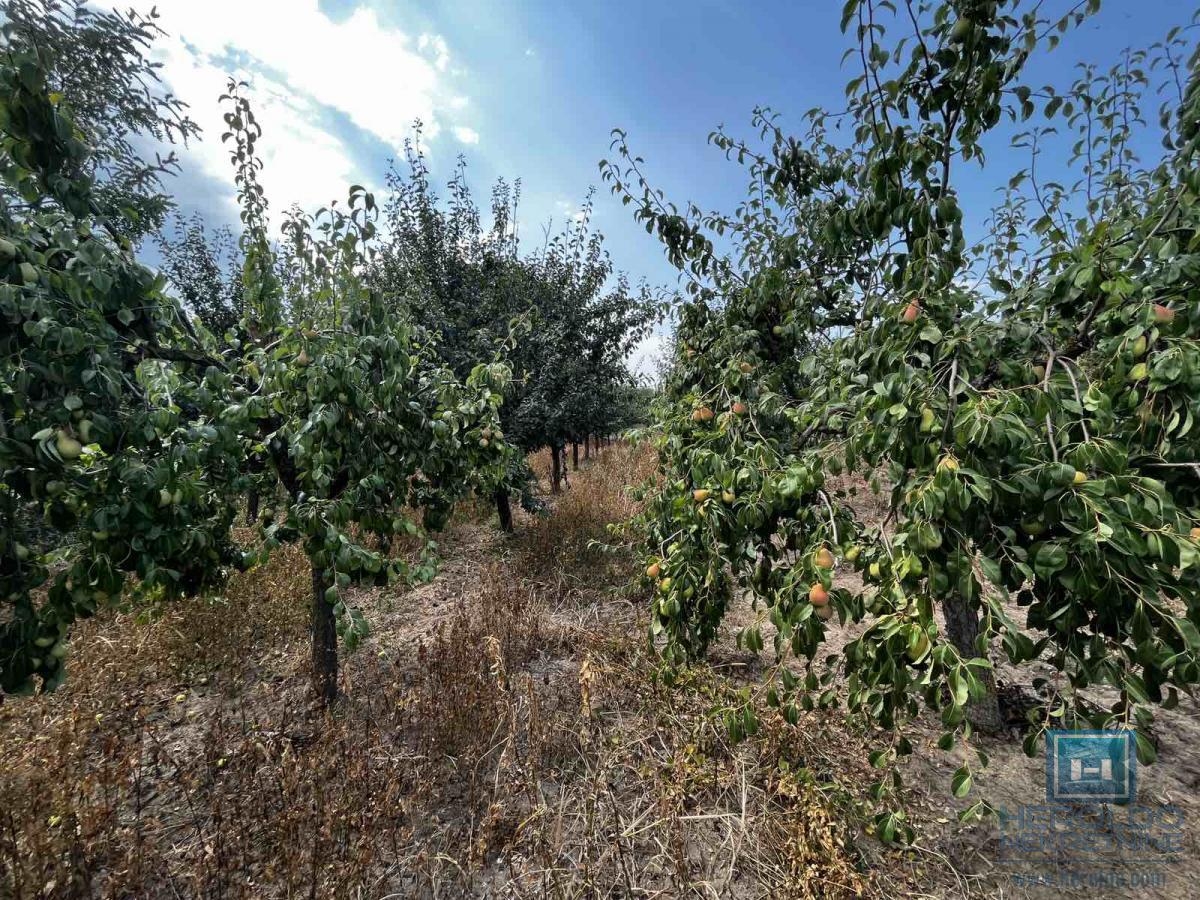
[587, 446]
[962, 627]
[575, 455]
[324, 641]
[555, 468]
[504, 510]
[252, 507]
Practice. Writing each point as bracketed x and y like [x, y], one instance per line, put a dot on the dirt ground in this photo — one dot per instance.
[502, 733]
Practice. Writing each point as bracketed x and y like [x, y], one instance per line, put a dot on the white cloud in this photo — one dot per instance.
[301, 65]
[466, 135]
[437, 44]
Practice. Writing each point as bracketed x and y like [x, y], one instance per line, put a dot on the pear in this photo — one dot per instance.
[961, 31]
[918, 645]
[68, 448]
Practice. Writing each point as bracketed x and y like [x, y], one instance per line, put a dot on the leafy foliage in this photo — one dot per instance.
[100, 61]
[553, 316]
[134, 439]
[1036, 437]
[97, 429]
[205, 272]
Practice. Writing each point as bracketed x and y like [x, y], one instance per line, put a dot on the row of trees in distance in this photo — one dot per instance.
[355, 385]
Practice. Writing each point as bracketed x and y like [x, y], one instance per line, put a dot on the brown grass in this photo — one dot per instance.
[503, 734]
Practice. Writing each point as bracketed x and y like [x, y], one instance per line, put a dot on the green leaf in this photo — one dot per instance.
[960, 785]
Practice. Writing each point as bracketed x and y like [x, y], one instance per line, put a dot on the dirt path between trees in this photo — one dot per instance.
[504, 732]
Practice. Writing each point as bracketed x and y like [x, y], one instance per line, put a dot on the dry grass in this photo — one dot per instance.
[511, 742]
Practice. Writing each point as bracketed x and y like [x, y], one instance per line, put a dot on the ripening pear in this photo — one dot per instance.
[68, 448]
[1139, 347]
[1195, 533]
[1163, 314]
[746, 368]
[961, 31]
[1080, 478]
[653, 570]
[918, 645]
[727, 497]
[911, 312]
[927, 420]
[303, 359]
[1139, 372]
[824, 613]
[823, 559]
[947, 464]
[817, 595]
[739, 408]
[701, 494]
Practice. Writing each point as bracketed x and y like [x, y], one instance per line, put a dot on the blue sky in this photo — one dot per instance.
[533, 89]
